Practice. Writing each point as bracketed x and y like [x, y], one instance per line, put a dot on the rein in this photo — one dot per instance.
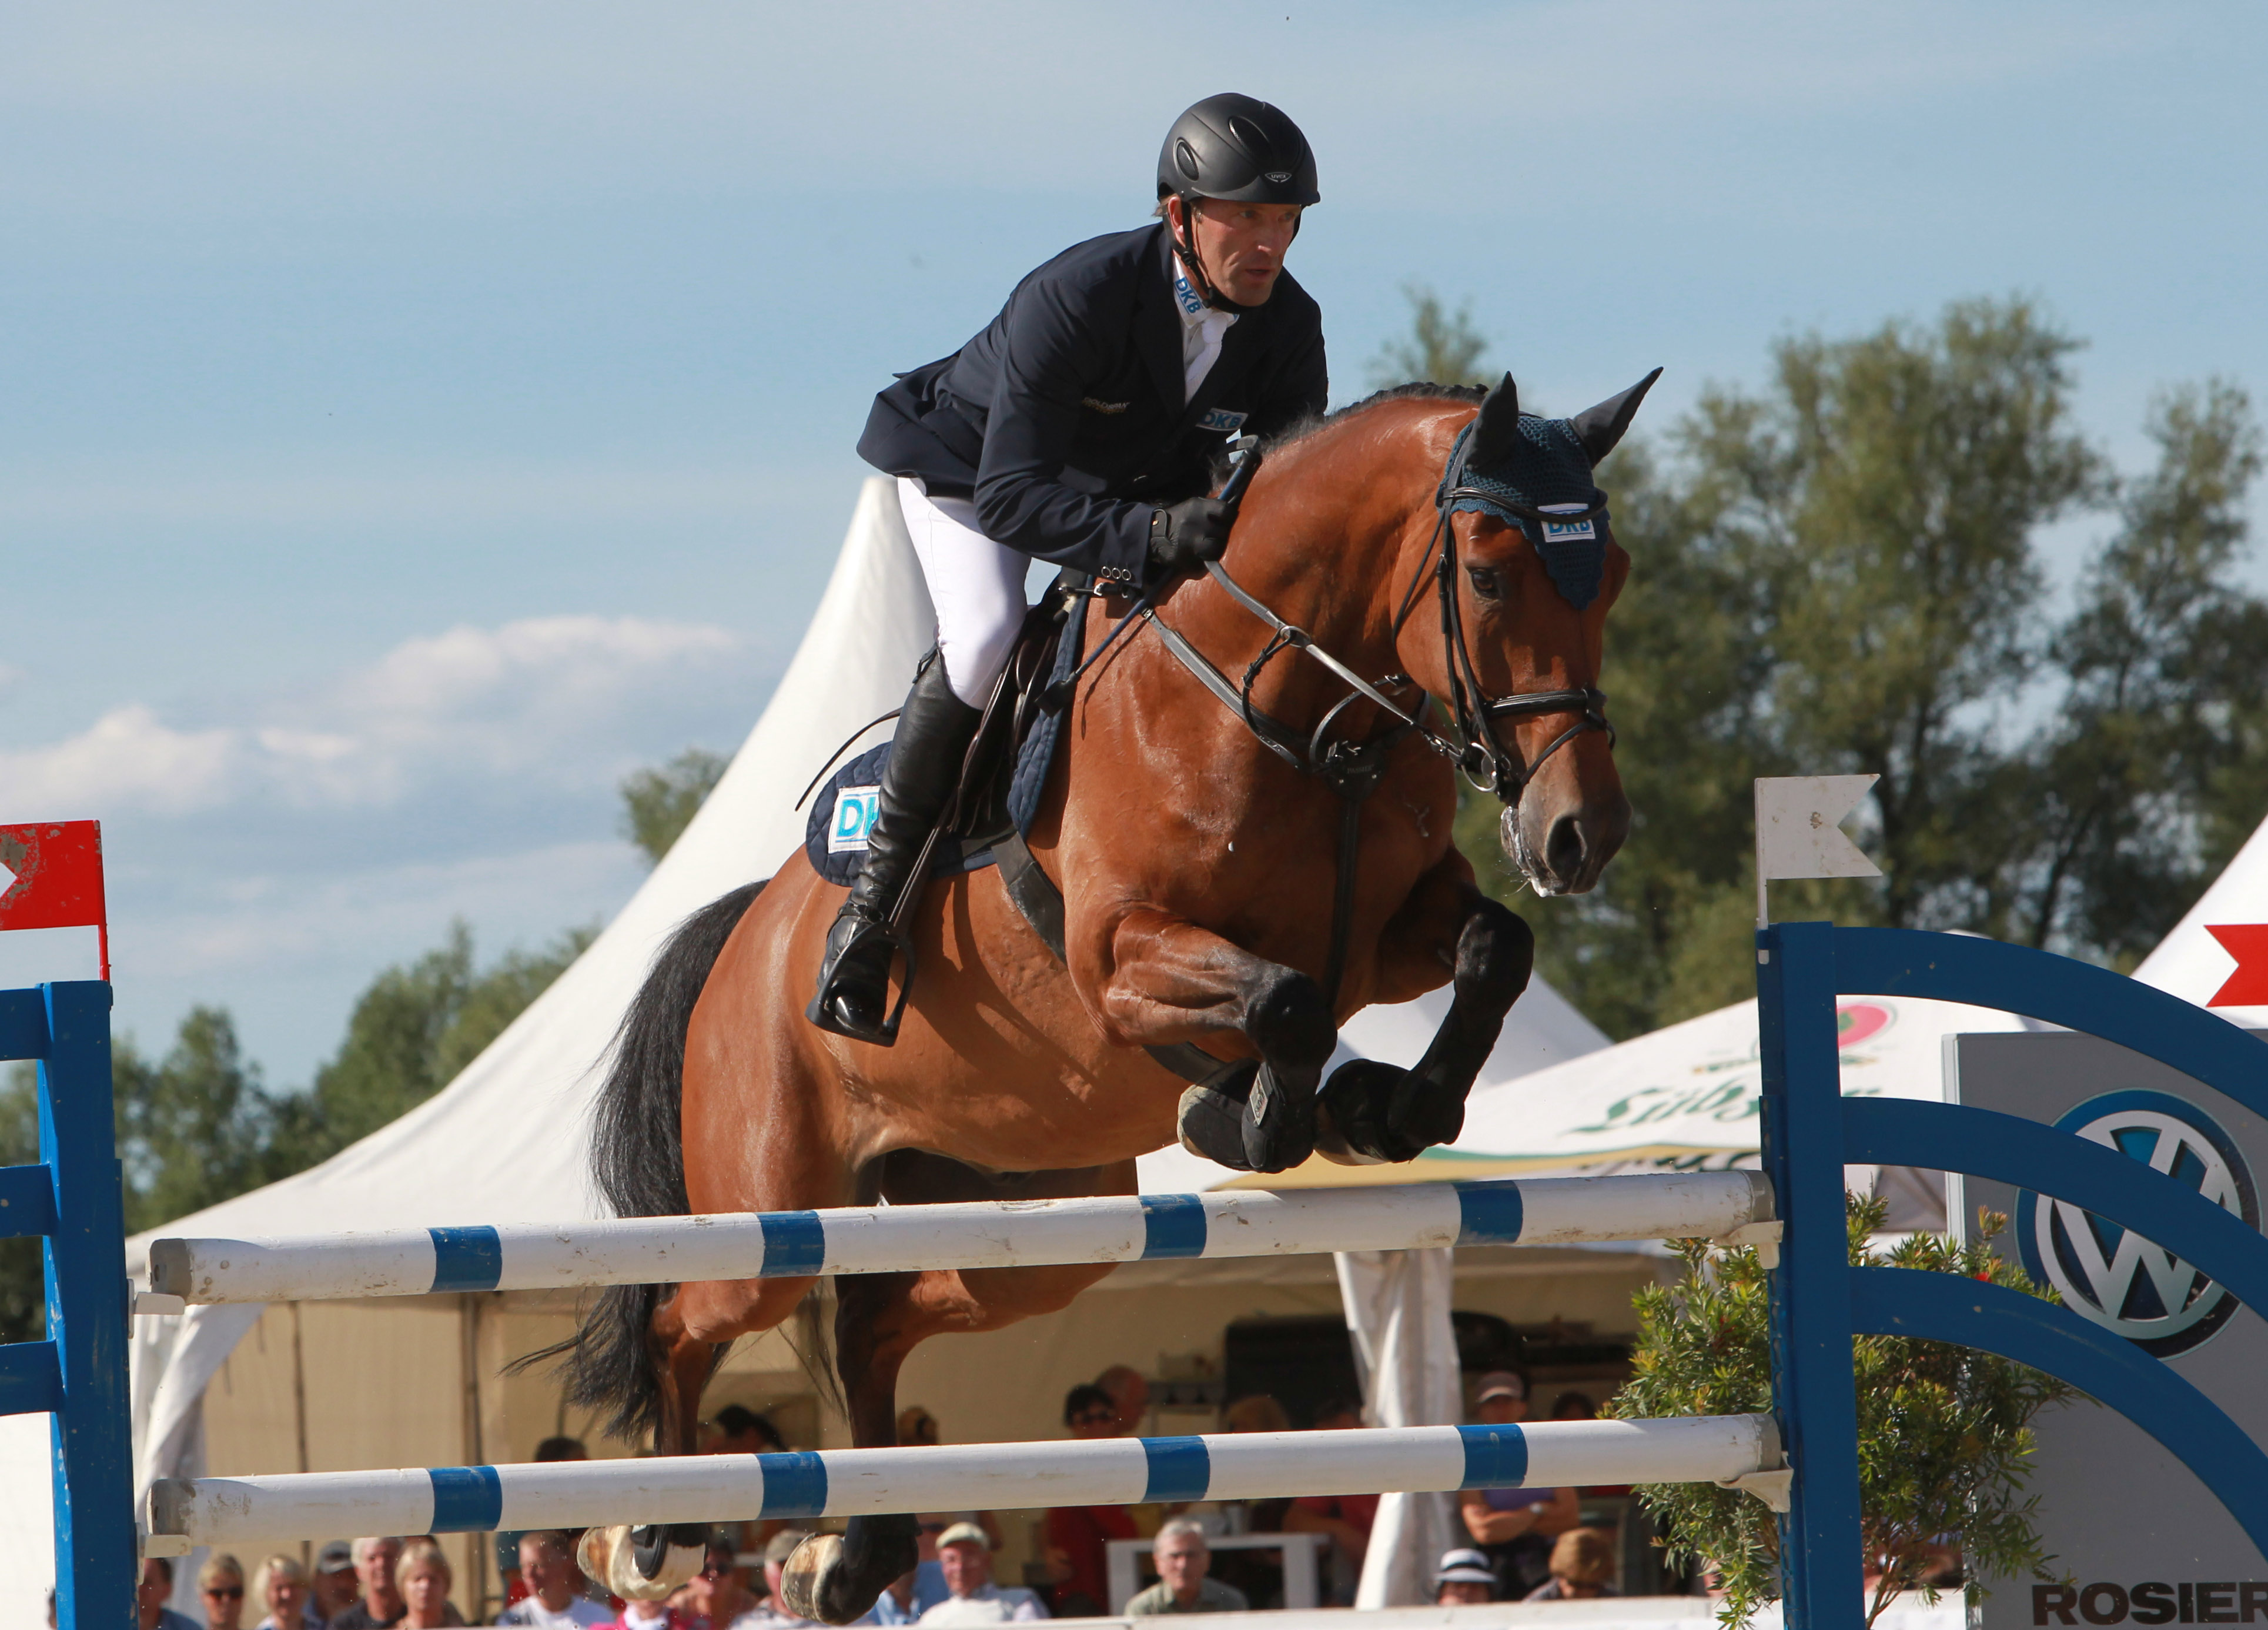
[1352, 770]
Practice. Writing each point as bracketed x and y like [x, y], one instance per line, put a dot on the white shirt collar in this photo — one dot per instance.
[1202, 329]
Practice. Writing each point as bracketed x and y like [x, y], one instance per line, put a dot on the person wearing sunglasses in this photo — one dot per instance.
[1078, 1537]
[220, 1588]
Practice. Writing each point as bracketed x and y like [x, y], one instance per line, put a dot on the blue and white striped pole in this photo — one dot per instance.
[856, 1482]
[1247, 1223]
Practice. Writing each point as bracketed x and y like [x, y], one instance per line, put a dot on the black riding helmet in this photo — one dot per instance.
[1236, 149]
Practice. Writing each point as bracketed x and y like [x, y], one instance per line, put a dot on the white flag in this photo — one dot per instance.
[1798, 833]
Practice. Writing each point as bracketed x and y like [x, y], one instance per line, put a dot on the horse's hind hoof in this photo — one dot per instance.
[806, 1571]
[610, 1556]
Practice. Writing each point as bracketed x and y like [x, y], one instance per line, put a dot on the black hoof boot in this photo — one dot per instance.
[1249, 1122]
[854, 981]
[1352, 1119]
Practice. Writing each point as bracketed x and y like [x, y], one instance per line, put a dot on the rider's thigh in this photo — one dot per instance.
[976, 585]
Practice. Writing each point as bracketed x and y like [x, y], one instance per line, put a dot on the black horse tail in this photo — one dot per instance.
[637, 1157]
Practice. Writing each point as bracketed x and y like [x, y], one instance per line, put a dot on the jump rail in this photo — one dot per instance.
[409, 1262]
[858, 1482]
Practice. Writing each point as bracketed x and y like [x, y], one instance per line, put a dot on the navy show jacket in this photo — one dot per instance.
[1064, 418]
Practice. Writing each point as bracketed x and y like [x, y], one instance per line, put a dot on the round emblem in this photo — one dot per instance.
[2111, 1275]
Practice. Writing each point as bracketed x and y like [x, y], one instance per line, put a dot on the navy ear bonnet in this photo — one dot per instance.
[1546, 468]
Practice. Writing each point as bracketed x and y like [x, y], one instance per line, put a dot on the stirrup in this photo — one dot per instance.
[859, 942]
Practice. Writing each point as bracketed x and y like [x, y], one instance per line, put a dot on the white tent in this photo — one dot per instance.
[2190, 962]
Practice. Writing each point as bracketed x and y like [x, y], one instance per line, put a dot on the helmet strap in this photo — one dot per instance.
[1186, 242]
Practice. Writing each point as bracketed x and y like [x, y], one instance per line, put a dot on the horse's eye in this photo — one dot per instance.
[1486, 581]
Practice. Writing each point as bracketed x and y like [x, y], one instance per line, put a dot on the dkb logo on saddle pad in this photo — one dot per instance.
[842, 815]
[2112, 1276]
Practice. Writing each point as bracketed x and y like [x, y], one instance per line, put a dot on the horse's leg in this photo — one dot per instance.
[1171, 981]
[881, 1318]
[1375, 1111]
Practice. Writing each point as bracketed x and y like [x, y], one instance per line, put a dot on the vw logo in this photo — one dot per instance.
[2111, 1275]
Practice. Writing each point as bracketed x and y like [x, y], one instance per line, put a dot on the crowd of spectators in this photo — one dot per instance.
[1525, 1544]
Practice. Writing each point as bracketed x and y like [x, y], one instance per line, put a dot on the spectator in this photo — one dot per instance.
[736, 1429]
[1130, 1394]
[1184, 1581]
[1464, 1580]
[547, 1563]
[772, 1612]
[149, 1594]
[552, 1450]
[220, 1587]
[422, 1579]
[1515, 1526]
[1345, 1519]
[1257, 1412]
[380, 1605]
[1078, 1537]
[1573, 1406]
[966, 1555]
[282, 1590]
[334, 1586]
[649, 1615]
[715, 1596]
[1582, 1561]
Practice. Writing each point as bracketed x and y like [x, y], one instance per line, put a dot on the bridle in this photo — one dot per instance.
[1478, 751]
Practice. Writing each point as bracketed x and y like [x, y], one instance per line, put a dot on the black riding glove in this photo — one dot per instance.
[1185, 535]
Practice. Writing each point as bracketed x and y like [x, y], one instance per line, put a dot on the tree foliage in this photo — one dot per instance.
[1443, 345]
[1842, 572]
[1942, 1430]
[658, 805]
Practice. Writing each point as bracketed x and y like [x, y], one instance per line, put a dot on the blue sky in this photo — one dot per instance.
[414, 417]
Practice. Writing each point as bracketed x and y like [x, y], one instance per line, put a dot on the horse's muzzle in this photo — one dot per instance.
[1561, 844]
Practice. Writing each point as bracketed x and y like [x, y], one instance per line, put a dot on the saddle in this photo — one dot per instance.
[997, 797]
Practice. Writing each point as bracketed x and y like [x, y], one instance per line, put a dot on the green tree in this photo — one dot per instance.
[1840, 573]
[1442, 345]
[22, 1295]
[659, 804]
[193, 1126]
[1943, 1431]
[412, 1031]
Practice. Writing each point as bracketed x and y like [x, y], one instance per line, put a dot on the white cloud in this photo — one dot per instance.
[542, 700]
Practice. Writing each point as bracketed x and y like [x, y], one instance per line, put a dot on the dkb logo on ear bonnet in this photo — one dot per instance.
[1535, 473]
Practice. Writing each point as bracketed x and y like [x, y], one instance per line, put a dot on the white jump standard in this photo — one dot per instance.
[1732, 1206]
[1741, 1450]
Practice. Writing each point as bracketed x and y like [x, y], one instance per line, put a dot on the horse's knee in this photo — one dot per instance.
[1288, 1020]
[1496, 954]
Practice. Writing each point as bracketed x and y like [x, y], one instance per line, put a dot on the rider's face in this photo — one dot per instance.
[1242, 244]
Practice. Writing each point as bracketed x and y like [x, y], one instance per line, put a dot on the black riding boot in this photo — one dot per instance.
[925, 758]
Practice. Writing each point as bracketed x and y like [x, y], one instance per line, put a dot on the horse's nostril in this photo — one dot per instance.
[1564, 850]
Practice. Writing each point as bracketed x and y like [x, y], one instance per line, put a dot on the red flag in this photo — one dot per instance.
[2248, 986]
[54, 875]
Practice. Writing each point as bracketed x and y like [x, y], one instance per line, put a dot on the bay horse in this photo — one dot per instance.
[1197, 871]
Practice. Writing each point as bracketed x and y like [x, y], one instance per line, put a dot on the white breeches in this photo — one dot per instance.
[976, 585]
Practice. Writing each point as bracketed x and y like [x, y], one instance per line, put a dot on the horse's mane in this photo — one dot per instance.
[1300, 430]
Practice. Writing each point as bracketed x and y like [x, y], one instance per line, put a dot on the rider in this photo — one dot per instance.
[1079, 429]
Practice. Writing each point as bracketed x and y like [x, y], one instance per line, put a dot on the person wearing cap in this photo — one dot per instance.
[1464, 1579]
[1515, 1526]
[379, 1603]
[773, 1613]
[334, 1587]
[966, 1555]
[1185, 1584]
[1079, 429]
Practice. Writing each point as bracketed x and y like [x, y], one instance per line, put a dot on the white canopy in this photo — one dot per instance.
[2190, 963]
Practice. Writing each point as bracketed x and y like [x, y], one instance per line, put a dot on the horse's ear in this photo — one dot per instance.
[1496, 431]
[1600, 428]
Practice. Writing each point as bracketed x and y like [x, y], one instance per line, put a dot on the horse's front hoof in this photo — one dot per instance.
[1279, 1124]
[1422, 1113]
[609, 1555]
[1350, 1120]
[1211, 1124]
